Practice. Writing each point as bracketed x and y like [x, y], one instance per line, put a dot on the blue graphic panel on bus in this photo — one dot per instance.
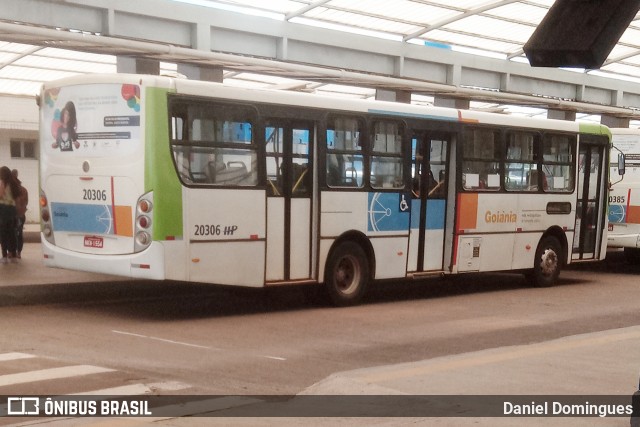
[95, 219]
[388, 212]
[435, 214]
[617, 213]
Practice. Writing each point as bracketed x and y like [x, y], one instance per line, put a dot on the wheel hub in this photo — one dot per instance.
[347, 274]
[549, 262]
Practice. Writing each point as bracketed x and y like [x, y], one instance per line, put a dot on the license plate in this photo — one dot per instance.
[93, 242]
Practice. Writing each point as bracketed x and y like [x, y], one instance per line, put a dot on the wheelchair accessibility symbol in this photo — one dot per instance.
[404, 206]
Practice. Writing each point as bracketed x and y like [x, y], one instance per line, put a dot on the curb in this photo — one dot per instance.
[31, 237]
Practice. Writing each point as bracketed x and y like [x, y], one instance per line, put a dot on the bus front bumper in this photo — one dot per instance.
[623, 240]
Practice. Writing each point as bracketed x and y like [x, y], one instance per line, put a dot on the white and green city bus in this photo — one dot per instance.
[161, 178]
[624, 198]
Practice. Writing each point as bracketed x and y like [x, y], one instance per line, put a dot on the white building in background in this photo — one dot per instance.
[19, 145]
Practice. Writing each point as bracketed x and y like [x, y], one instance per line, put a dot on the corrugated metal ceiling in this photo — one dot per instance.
[495, 28]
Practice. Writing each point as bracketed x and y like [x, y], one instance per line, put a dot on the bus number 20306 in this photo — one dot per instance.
[92, 194]
[214, 230]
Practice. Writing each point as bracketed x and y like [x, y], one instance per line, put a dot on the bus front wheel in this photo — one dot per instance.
[547, 263]
[347, 274]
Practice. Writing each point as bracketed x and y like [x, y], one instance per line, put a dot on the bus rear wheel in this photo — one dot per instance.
[347, 274]
[547, 263]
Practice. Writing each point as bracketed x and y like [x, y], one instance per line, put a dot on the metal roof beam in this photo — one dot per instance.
[311, 72]
[164, 30]
[476, 11]
[20, 56]
[305, 9]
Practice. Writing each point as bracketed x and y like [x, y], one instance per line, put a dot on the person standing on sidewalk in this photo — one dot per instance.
[8, 188]
[22, 200]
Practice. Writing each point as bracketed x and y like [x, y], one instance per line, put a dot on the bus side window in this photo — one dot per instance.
[344, 160]
[521, 167]
[557, 162]
[437, 190]
[387, 164]
[333, 171]
[212, 170]
[344, 170]
[301, 179]
[481, 160]
[213, 143]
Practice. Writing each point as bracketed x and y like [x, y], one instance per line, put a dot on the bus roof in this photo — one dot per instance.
[271, 96]
[625, 131]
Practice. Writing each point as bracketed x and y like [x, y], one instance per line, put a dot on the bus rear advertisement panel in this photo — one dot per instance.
[162, 178]
[91, 198]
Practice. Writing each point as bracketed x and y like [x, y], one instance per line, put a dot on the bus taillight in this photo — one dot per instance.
[143, 239]
[145, 206]
[45, 215]
[144, 219]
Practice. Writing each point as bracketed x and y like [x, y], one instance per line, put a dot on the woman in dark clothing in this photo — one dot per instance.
[8, 188]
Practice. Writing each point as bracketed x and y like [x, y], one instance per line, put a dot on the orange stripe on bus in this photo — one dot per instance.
[124, 223]
[463, 120]
[633, 214]
[468, 213]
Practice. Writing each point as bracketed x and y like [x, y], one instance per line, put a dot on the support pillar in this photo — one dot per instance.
[393, 95]
[201, 72]
[132, 65]
[458, 103]
[561, 115]
[614, 122]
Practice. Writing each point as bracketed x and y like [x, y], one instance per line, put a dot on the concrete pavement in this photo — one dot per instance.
[600, 363]
[30, 269]
[576, 368]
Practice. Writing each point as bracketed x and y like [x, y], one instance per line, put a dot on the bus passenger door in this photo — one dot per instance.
[590, 206]
[289, 191]
[429, 201]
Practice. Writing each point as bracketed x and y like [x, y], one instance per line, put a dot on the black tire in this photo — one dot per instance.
[547, 263]
[346, 274]
[632, 255]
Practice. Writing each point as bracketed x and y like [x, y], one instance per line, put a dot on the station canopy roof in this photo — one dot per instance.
[498, 29]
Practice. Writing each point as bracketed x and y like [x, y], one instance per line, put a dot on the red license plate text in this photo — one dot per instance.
[93, 242]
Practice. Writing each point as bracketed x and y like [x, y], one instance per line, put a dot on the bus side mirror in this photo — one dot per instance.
[621, 160]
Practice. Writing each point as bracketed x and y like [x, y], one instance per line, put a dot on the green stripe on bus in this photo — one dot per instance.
[159, 172]
[594, 129]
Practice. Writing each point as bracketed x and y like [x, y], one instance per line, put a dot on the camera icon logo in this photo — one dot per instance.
[23, 406]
